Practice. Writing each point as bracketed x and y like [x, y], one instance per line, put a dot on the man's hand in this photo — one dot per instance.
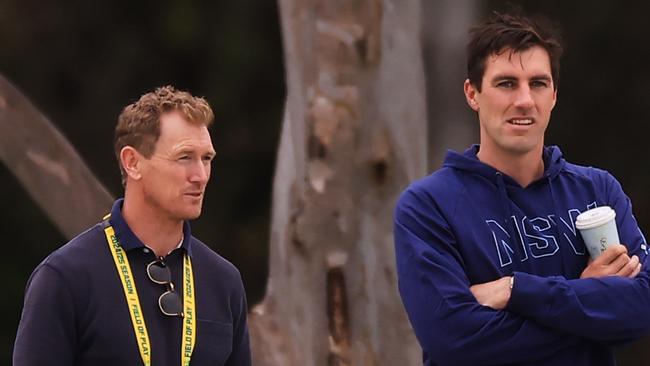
[494, 294]
[613, 262]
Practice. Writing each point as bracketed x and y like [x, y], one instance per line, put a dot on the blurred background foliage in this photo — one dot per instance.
[81, 62]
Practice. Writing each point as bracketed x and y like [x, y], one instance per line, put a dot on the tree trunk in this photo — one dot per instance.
[354, 135]
[47, 165]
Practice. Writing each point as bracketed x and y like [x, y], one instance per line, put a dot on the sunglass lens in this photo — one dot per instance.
[171, 304]
[159, 272]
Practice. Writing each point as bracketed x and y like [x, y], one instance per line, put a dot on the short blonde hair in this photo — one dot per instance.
[139, 123]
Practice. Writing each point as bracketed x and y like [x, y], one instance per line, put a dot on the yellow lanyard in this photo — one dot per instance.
[137, 317]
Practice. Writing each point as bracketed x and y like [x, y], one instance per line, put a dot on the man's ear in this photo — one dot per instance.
[470, 95]
[131, 162]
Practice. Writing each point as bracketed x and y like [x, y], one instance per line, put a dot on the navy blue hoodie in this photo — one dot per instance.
[468, 223]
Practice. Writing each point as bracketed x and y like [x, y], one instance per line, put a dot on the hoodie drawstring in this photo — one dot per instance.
[507, 213]
[558, 220]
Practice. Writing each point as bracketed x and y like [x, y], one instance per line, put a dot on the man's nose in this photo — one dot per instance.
[524, 98]
[200, 172]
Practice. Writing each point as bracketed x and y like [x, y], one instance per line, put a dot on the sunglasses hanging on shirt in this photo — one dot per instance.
[170, 302]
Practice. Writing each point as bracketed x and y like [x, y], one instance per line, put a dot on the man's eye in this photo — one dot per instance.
[539, 84]
[184, 157]
[506, 84]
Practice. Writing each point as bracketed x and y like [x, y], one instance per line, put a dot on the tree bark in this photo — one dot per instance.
[47, 165]
[354, 135]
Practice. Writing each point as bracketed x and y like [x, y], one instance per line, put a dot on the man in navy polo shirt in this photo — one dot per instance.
[138, 288]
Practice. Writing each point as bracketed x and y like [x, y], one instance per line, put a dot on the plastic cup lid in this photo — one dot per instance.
[594, 217]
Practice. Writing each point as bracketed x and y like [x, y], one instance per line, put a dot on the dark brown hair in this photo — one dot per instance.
[139, 123]
[515, 32]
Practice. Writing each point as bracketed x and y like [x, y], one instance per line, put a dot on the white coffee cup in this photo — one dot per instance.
[598, 229]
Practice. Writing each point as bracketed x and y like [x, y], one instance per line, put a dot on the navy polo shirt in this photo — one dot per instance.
[75, 312]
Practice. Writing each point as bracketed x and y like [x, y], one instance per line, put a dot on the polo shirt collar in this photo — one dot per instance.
[128, 240]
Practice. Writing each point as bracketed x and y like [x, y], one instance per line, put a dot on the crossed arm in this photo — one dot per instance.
[613, 262]
[540, 318]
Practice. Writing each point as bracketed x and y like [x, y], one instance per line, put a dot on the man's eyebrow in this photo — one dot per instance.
[192, 149]
[542, 77]
[184, 150]
[503, 77]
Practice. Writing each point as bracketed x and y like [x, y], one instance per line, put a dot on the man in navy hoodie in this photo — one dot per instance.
[138, 288]
[491, 268]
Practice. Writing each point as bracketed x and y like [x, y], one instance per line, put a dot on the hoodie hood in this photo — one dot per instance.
[468, 161]
[553, 164]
